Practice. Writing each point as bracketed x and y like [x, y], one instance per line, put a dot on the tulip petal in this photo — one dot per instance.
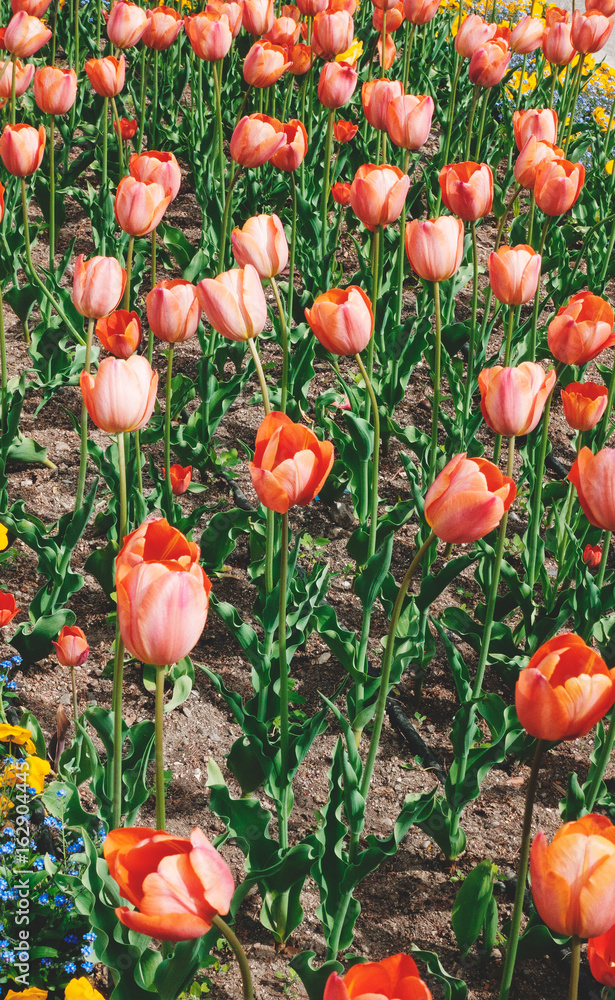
[541, 713]
[171, 927]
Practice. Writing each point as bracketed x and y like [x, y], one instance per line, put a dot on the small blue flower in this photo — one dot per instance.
[76, 847]
[3, 884]
[8, 831]
[70, 967]
[38, 864]
[44, 898]
[61, 793]
[11, 686]
[46, 962]
[7, 848]
[60, 899]
[72, 871]
[7, 956]
[4, 944]
[90, 936]
[52, 823]
[71, 939]
[87, 966]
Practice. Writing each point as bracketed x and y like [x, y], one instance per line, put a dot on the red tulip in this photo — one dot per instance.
[434, 247]
[154, 167]
[526, 36]
[120, 333]
[291, 155]
[21, 148]
[489, 62]
[376, 96]
[301, 59]
[98, 285]
[467, 189]
[582, 329]
[264, 64]
[25, 35]
[210, 35]
[472, 34]
[128, 128]
[180, 479]
[107, 75]
[541, 123]
[55, 89]
[234, 303]
[262, 243]
[340, 192]
[336, 84]
[590, 31]
[126, 24]
[290, 464]
[592, 556]
[139, 207]
[377, 194]
[8, 610]
[342, 320]
[514, 273]
[255, 139]
[512, 399]
[468, 499]
[558, 185]
[122, 394]
[594, 478]
[332, 33]
[584, 403]
[344, 131]
[71, 647]
[408, 120]
[163, 26]
[173, 310]
[394, 977]
[601, 953]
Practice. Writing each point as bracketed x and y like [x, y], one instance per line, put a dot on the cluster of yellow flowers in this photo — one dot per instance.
[38, 768]
[76, 989]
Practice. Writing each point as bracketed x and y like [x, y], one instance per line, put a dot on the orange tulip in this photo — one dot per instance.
[408, 120]
[180, 479]
[472, 34]
[173, 310]
[262, 243]
[255, 139]
[556, 44]
[71, 647]
[283, 32]
[122, 394]
[601, 955]
[573, 877]
[512, 399]
[395, 18]
[257, 16]
[389, 53]
[178, 885]
[126, 24]
[606, 7]
[396, 976]
[467, 189]
[290, 463]
[55, 89]
[556, 15]
[107, 75]
[342, 320]
[332, 33]
[594, 478]
[526, 36]
[23, 78]
[128, 128]
[340, 192]
[234, 303]
[489, 62]
[344, 131]
[420, 11]
[514, 273]
[301, 59]
[434, 247]
[530, 158]
[139, 207]
[590, 31]
[558, 185]
[264, 64]
[232, 11]
[581, 329]
[163, 26]
[8, 610]
[291, 155]
[468, 499]
[377, 194]
[210, 35]
[98, 285]
[336, 84]
[592, 556]
[120, 333]
[376, 96]
[310, 8]
[36, 8]
[154, 167]
[21, 148]
[162, 592]
[25, 35]
[541, 123]
[584, 403]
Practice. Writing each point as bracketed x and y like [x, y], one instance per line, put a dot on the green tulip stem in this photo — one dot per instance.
[451, 115]
[52, 194]
[575, 966]
[138, 462]
[13, 83]
[120, 144]
[261, 375]
[291, 256]
[240, 955]
[158, 743]
[605, 555]
[284, 689]
[167, 433]
[225, 217]
[146, 57]
[373, 521]
[515, 924]
[533, 335]
[118, 665]
[471, 120]
[126, 302]
[481, 127]
[509, 333]
[285, 352]
[409, 33]
[503, 218]
[472, 345]
[573, 105]
[520, 87]
[74, 691]
[401, 253]
[376, 240]
[154, 102]
[150, 333]
[3, 371]
[435, 405]
[83, 451]
[383, 45]
[105, 168]
[55, 31]
[219, 133]
[325, 184]
[535, 514]
[605, 755]
[552, 88]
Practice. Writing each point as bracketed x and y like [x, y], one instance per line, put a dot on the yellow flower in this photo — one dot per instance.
[37, 769]
[609, 166]
[81, 989]
[351, 54]
[4, 537]
[17, 734]
[32, 993]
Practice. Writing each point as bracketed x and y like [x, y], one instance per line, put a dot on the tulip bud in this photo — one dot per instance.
[173, 311]
[154, 167]
[120, 333]
[556, 44]
[23, 78]
[283, 32]
[594, 478]
[394, 18]
[376, 96]
[310, 8]
[542, 124]
[264, 64]
[606, 7]
[98, 285]
[234, 303]
[8, 610]
[332, 33]
[210, 35]
[255, 139]
[71, 647]
[489, 63]
[584, 404]
[290, 463]
[420, 11]
[55, 89]
[262, 243]
[25, 35]
[126, 24]
[301, 59]
[378, 193]
[434, 247]
[512, 399]
[163, 26]
[340, 192]
[592, 556]
[232, 11]
[257, 16]
[473, 33]
[128, 128]
[36, 8]
[396, 976]
[21, 148]
[180, 479]
[291, 155]
[342, 320]
[408, 120]
[581, 329]
[531, 156]
[526, 36]
[590, 31]
[122, 394]
[139, 207]
[344, 131]
[558, 185]
[336, 84]
[468, 499]
[107, 75]
[389, 54]
[467, 189]
[514, 273]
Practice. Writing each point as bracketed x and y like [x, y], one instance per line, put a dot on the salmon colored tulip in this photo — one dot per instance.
[336, 84]
[526, 36]
[541, 123]
[8, 610]
[606, 7]
[489, 62]
[232, 11]
[257, 16]
[290, 463]
[234, 303]
[283, 32]
[573, 877]
[344, 131]
[472, 35]
[584, 404]
[592, 556]
[594, 479]
[394, 977]
[389, 54]
[601, 954]
[36, 8]
[384, 4]
[120, 333]
[177, 885]
[467, 189]
[301, 58]
[342, 320]
[262, 243]
[25, 35]
[173, 310]
[420, 11]
[139, 207]
[210, 35]
[555, 15]
[310, 8]
[55, 89]
[154, 167]
[264, 64]
[408, 120]
[340, 192]
[126, 24]
[556, 44]
[122, 394]
[332, 33]
[71, 647]
[514, 273]
[376, 96]
[582, 329]
[128, 128]
[394, 20]
[590, 31]
[98, 285]
[107, 75]
[162, 592]
[255, 139]
[558, 185]
[180, 479]
[512, 399]
[377, 194]
[434, 247]
[291, 155]
[468, 499]
[21, 148]
[531, 156]
[23, 78]
[163, 26]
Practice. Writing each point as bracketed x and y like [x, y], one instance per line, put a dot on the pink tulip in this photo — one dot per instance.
[122, 394]
[234, 303]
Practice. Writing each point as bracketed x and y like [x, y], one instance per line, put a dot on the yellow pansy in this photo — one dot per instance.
[4, 537]
[17, 734]
[32, 993]
[609, 166]
[81, 989]
[37, 769]
[352, 53]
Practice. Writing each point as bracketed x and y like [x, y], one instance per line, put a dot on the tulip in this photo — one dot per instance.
[21, 148]
[126, 24]
[232, 11]
[542, 124]
[526, 36]
[396, 976]
[590, 31]
[139, 207]
[468, 499]
[530, 158]
[310, 8]
[434, 247]
[594, 478]
[301, 59]
[234, 303]
[71, 647]
[342, 320]
[584, 404]
[290, 464]
[36, 8]
[122, 394]
[162, 592]
[395, 18]
[336, 84]
[573, 877]
[264, 64]
[332, 33]
[489, 62]
[23, 78]
[55, 89]
[261, 243]
[581, 329]
[257, 16]
[408, 120]
[120, 333]
[467, 189]
[606, 7]
[128, 128]
[255, 140]
[210, 35]
[592, 556]
[344, 131]
[377, 194]
[291, 155]
[556, 44]
[514, 273]
[556, 15]
[420, 11]
[512, 399]
[376, 96]
[340, 192]
[106, 75]
[558, 185]
[177, 885]
[180, 479]
[98, 285]
[154, 167]
[389, 53]
[601, 953]
[283, 32]
[173, 310]
[25, 35]
[8, 610]
[472, 34]
[163, 26]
